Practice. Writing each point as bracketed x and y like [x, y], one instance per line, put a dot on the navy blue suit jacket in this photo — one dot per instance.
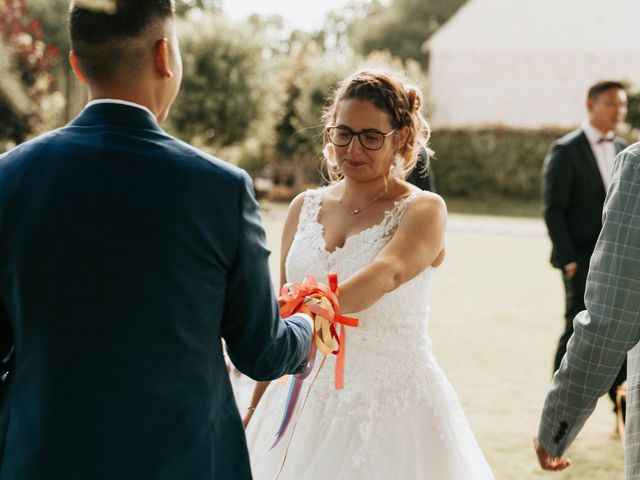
[125, 256]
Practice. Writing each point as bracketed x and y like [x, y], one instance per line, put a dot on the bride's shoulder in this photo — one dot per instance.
[418, 199]
[309, 197]
[308, 194]
[424, 207]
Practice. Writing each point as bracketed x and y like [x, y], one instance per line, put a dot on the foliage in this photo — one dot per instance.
[224, 89]
[401, 27]
[183, 7]
[298, 133]
[53, 16]
[27, 63]
[15, 105]
[337, 31]
[633, 114]
[490, 163]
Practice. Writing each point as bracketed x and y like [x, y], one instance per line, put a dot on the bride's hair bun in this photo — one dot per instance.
[414, 99]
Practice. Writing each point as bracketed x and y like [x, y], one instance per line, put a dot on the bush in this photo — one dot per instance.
[27, 73]
[633, 114]
[224, 90]
[490, 163]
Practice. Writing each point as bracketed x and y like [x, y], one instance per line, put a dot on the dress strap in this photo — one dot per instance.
[310, 208]
[393, 216]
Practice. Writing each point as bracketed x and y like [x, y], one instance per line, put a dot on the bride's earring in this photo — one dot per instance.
[396, 166]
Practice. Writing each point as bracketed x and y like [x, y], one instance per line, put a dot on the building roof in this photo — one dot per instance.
[545, 26]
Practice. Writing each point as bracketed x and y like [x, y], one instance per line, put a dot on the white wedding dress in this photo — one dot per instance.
[397, 416]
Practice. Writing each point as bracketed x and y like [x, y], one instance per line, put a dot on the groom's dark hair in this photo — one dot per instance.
[108, 36]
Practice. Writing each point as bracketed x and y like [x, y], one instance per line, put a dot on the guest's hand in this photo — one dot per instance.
[570, 270]
[546, 461]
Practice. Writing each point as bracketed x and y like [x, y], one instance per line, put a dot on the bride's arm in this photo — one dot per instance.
[417, 243]
[288, 232]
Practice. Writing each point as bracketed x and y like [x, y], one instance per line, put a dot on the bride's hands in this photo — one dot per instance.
[321, 329]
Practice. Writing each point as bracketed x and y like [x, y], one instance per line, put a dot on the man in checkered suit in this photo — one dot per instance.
[605, 332]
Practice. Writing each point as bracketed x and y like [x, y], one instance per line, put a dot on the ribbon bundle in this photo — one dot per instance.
[321, 304]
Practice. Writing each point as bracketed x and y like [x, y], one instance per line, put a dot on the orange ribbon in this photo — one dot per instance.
[321, 304]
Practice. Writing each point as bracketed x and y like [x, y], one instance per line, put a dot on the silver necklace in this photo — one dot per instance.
[356, 211]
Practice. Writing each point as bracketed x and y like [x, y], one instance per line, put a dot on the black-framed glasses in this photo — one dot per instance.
[369, 139]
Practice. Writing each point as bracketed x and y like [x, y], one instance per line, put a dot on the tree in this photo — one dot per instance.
[310, 77]
[633, 115]
[183, 7]
[224, 89]
[15, 105]
[401, 27]
[339, 25]
[53, 16]
[27, 64]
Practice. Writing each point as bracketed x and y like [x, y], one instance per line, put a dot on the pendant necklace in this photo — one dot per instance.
[356, 211]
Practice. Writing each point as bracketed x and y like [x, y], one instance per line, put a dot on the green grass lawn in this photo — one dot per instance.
[497, 312]
[495, 206]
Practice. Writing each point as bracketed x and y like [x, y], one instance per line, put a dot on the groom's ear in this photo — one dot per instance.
[73, 60]
[161, 58]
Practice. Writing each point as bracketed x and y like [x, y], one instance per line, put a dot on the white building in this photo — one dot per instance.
[529, 63]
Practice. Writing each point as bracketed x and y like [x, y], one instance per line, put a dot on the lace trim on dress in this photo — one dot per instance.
[312, 204]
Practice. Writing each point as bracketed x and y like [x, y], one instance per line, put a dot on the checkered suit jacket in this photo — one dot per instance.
[608, 329]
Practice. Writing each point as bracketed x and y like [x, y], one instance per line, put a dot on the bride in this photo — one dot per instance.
[397, 416]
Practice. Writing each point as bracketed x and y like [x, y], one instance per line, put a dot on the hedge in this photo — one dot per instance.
[490, 163]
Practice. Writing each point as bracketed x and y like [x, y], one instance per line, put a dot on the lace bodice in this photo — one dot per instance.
[399, 319]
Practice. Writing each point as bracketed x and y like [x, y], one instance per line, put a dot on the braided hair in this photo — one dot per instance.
[401, 101]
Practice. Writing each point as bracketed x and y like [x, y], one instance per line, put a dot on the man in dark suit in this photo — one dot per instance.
[422, 175]
[125, 256]
[576, 176]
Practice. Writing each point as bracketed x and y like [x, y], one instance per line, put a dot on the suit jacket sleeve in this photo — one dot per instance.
[557, 177]
[422, 175]
[610, 326]
[6, 342]
[259, 342]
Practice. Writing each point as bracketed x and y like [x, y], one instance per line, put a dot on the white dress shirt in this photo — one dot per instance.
[121, 102]
[604, 151]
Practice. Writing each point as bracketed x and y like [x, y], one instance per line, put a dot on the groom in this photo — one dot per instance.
[606, 331]
[125, 256]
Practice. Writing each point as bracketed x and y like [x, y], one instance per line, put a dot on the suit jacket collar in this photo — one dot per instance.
[116, 114]
[593, 135]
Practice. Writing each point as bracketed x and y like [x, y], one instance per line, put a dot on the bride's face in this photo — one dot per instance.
[356, 161]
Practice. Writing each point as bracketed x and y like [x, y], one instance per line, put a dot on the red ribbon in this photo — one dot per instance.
[321, 303]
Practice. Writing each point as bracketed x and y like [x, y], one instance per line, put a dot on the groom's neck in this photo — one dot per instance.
[142, 96]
